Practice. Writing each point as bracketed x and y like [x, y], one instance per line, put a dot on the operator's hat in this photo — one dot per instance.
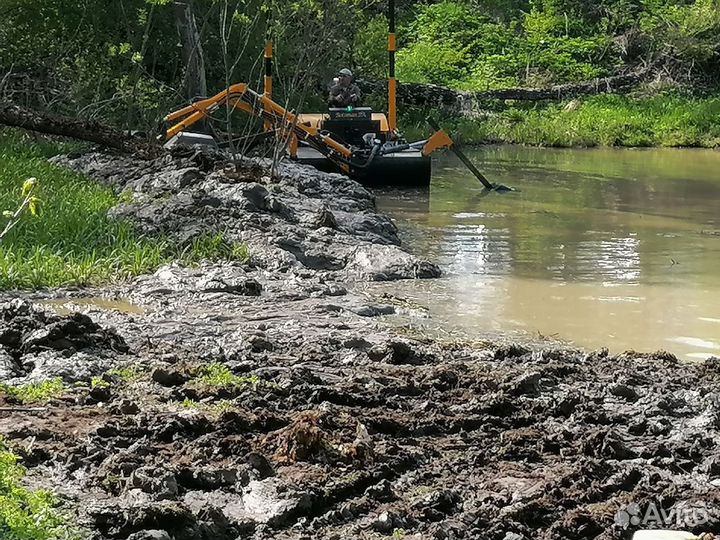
[346, 72]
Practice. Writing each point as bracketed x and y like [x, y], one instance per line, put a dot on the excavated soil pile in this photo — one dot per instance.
[298, 217]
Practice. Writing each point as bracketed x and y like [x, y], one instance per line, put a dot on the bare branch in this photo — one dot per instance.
[5, 79]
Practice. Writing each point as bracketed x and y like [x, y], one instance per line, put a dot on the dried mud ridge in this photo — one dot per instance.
[268, 400]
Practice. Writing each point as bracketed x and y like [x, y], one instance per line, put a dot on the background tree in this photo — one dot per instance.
[194, 80]
[125, 62]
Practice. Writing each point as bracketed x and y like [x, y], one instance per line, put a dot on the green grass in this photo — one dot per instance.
[40, 392]
[662, 120]
[124, 375]
[218, 375]
[26, 514]
[73, 242]
[216, 409]
[99, 382]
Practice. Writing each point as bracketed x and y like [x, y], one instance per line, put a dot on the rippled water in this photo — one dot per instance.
[616, 248]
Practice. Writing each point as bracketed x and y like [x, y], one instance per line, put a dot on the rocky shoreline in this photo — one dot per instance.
[269, 400]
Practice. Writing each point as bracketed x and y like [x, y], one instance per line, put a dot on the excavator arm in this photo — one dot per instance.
[240, 97]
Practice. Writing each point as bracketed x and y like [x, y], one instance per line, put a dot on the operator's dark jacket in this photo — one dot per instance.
[345, 92]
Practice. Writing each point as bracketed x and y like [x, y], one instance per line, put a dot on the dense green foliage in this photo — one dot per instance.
[73, 241]
[25, 514]
[469, 45]
[122, 61]
[662, 120]
[453, 44]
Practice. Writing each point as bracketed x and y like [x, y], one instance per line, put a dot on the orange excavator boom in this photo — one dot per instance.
[240, 97]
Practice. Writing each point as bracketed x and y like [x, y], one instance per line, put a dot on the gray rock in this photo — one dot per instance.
[168, 377]
[8, 368]
[369, 226]
[384, 523]
[78, 367]
[388, 263]
[150, 535]
[169, 181]
[161, 483]
[208, 479]
[128, 407]
[382, 491]
[324, 218]
[372, 310]
[302, 217]
[272, 501]
[243, 287]
[527, 383]
[624, 391]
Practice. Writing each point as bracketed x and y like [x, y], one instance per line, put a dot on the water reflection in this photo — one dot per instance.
[602, 247]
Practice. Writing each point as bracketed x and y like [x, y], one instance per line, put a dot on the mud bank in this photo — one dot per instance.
[269, 400]
[299, 218]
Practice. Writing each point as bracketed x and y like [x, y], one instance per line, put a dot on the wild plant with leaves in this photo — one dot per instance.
[30, 204]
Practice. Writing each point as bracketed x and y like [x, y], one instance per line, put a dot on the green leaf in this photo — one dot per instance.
[242, 18]
[7, 214]
[28, 186]
[34, 206]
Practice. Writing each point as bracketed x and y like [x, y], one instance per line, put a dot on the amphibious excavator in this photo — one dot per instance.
[359, 142]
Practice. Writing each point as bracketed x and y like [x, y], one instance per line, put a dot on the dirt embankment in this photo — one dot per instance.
[266, 400]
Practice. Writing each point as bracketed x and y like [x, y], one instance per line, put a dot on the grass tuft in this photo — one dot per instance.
[215, 246]
[216, 409]
[40, 392]
[217, 375]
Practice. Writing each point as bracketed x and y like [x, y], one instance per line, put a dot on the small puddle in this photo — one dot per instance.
[66, 306]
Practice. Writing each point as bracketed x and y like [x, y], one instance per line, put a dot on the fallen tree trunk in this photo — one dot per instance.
[429, 95]
[75, 128]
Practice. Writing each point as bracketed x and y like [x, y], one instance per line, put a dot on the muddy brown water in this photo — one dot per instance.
[65, 306]
[601, 248]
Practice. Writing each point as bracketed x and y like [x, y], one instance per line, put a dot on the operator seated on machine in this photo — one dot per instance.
[344, 92]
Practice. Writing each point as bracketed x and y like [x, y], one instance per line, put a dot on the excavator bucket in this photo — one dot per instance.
[405, 169]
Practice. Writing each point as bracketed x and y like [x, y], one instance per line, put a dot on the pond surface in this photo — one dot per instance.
[600, 248]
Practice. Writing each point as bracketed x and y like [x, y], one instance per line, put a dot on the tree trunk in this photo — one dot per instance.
[86, 130]
[429, 95]
[195, 84]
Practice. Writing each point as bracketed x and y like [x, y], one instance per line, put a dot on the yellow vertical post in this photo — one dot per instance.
[392, 82]
[268, 89]
[392, 90]
[268, 82]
